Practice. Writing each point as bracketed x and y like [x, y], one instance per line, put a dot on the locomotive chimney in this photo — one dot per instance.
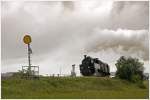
[84, 56]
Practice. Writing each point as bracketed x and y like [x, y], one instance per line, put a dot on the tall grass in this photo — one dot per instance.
[67, 87]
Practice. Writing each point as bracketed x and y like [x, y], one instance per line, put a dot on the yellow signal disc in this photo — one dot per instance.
[27, 39]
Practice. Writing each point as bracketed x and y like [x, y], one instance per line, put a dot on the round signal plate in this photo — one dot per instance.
[27, 39]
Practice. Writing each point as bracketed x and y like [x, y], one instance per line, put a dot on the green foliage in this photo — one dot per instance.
[136, 78]
[130, 69]
[142, 85]
[72, 88]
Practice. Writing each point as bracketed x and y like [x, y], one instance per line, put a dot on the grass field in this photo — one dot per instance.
[67, 87]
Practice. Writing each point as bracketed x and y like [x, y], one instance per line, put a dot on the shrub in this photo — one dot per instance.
[129, 69]
[141, 85]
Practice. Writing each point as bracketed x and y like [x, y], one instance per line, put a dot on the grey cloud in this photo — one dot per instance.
[130, 15]
[121, 43]
[68, 5]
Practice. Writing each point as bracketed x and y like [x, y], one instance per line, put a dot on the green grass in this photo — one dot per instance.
[72, 88]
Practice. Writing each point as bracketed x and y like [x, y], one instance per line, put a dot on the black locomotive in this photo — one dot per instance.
[94, 67]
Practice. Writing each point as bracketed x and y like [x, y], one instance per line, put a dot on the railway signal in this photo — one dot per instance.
[29, 71]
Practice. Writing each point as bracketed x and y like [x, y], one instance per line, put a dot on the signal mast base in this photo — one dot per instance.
[33, 73]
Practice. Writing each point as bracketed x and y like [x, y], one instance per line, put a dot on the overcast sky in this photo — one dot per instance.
[62, 32]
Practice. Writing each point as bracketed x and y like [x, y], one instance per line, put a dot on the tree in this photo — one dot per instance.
[129, 68]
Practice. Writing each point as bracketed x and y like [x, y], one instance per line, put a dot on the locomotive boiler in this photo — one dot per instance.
[94, 67]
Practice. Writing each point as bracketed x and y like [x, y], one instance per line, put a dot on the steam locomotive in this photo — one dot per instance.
[94, 67]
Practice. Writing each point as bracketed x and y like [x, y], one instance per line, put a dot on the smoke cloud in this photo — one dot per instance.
[62, 32]
[125, 42]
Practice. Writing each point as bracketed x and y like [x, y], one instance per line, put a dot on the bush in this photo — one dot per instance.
[135, 78]
[141, 85]
[129, 69]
